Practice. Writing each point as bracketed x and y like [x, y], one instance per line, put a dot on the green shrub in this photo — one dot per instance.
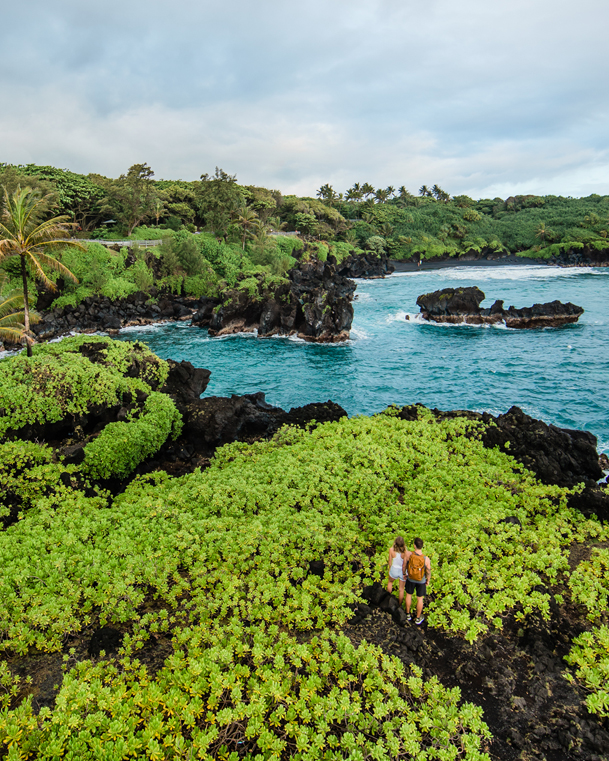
[58, 381]
[122, 446]
[27, 472]
[590, 656]
[255, 695]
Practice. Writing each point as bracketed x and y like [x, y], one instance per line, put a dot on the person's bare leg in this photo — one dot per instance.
[389, 584]
[420, 601]
[402, 585]
[408, 602]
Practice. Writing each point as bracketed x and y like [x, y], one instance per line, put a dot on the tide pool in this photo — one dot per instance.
[556, 374]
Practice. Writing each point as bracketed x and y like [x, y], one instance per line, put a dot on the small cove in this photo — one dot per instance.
[556, 374]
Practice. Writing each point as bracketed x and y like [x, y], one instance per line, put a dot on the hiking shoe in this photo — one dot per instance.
[408, 617]
[420, 620]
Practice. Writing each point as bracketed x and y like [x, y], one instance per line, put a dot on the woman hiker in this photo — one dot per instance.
[396, 565]
[418, 570]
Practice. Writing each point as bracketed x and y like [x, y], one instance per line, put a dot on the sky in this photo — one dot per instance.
[480, 97]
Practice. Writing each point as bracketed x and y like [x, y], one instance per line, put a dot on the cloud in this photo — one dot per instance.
[479, 97]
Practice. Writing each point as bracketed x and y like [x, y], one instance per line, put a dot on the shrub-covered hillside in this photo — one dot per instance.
[206, 616]
[405, 226]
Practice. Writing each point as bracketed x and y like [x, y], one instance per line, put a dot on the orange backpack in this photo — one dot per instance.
[416, 567]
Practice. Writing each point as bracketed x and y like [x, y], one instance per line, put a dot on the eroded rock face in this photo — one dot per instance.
[185, 382]
[217, 420]
[314, 303]
[458, 305]
[367, 265]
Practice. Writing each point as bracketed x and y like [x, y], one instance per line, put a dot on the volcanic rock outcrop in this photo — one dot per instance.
[366, 265]
[101, 313]
[314, 303]
[458, 305]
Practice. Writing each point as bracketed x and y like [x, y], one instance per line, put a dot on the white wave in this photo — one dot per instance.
[358, 334]
[362, 296]
[144, 328]
[508, 272]
[7, 354]
[417, 319]
[398, 317]
[241, 334]
[285, 337]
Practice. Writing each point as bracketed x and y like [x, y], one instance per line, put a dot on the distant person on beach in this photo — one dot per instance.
[396, 565]
[418, 577]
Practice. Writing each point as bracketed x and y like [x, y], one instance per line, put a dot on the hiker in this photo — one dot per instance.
[418, 577]
[396, 565]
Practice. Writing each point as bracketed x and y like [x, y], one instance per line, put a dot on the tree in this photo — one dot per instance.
[354, 193]
[246, 221]
[159, 209]
[219, 200]
[22, 234]
[367, 190]
[439, 194]
[327, 194]
[132, 198]
[424, 191]
[381, 195]
[78, 196]
[544, 233]
[12, 320]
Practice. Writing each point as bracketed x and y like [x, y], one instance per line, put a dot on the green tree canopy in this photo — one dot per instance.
[23, 234]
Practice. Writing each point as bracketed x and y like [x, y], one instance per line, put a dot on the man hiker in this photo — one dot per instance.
[418, 576]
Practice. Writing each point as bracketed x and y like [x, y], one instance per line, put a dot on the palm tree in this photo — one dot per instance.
[543, 232]
[367, 190]
[12, 326]
[381, 195]
[246, 220]
[354, 193]
[23, 234]
[424, 191]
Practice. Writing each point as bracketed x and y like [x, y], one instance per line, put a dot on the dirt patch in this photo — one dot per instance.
[517, 676]
[581, 552]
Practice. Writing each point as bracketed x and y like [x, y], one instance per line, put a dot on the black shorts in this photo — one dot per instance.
[420, 587]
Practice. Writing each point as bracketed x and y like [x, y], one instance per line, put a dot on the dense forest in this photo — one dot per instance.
[214, 232]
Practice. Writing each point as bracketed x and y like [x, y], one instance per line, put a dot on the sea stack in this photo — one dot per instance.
[458, 305]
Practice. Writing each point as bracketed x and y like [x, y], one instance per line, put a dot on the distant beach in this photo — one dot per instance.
[438, 265]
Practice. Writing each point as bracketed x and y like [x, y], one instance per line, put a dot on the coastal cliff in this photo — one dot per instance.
[313, 303]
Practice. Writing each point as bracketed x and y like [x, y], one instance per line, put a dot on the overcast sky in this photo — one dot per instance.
[481, 97]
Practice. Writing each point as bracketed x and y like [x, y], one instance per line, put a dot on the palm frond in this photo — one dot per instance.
[11, 334]
[52, 228]
[14, 301]
[15, 320]
[54, 264]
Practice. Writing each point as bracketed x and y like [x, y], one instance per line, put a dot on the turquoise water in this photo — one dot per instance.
[556, 374]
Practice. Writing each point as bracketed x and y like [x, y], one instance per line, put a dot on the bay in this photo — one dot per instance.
[556, 374]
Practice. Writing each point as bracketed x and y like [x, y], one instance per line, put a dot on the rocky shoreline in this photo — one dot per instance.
[315, 303]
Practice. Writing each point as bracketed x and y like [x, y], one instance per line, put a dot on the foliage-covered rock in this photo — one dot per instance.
[93, 397]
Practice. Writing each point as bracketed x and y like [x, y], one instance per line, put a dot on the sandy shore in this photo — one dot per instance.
[438, 265]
